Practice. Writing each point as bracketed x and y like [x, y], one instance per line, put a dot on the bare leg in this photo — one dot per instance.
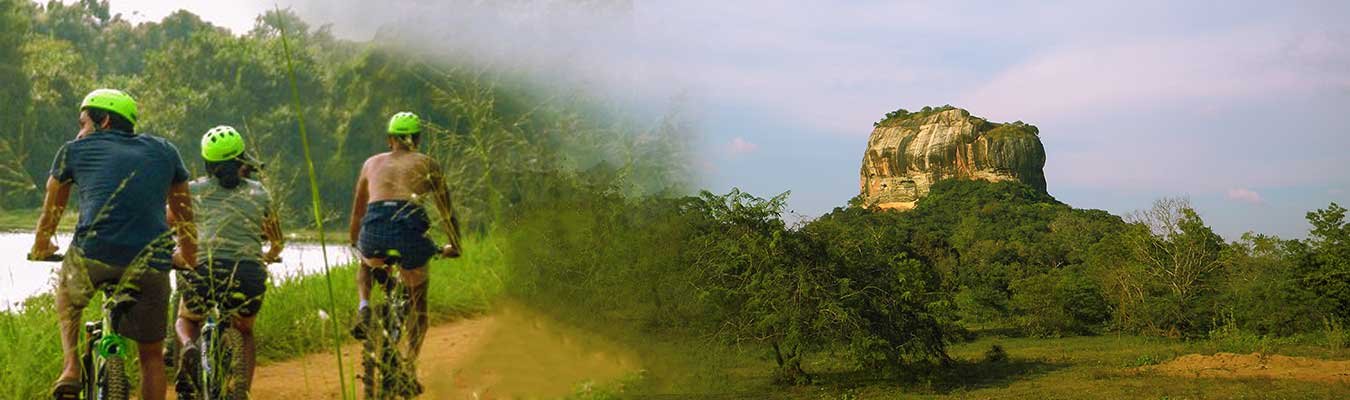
[153, 382]
[188, 329]
[416, 281]
[70, 334]
[245, 327]
[363, 281]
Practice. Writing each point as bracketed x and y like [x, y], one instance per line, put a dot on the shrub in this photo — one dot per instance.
[1063, 302]
[995, 354]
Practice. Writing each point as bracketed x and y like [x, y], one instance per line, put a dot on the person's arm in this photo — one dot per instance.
[184, 228]
[53, 206]
[441, 194]
[359, 200]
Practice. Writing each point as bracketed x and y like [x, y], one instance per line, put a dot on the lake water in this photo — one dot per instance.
[21, 279]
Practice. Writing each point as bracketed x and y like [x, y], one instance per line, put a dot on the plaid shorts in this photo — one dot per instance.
[400, 226]
[237, 285]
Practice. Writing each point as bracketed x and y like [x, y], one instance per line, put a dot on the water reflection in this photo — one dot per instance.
[20, 278]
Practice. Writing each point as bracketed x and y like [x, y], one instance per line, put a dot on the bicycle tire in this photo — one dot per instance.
[116, 386]
[383, 366]
[369, 368]
[223, 373]
[237, 382]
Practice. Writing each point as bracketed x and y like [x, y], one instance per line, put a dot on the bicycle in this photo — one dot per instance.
[221, 373]
[387, 371]
[103, 358]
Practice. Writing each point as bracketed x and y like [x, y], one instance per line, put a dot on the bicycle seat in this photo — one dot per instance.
[390, 256]
[380, 273]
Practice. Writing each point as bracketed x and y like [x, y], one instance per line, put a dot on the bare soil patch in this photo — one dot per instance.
[1255, 365]
[509, 354]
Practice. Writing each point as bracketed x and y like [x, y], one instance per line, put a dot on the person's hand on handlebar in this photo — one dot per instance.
[449, 251]
[42, 250]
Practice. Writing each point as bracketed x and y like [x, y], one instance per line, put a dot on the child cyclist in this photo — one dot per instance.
[236, 215]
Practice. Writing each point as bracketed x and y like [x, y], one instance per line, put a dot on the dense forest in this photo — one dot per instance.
[490, 129]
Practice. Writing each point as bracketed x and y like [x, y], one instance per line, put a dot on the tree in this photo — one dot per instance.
[15, 184]
[1178, 259]
[1326, 266]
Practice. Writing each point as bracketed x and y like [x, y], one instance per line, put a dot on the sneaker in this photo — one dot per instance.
[362, 321]
[189, 368]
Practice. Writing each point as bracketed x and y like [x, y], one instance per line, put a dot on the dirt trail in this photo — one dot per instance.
[510, 354]
[1255, 365]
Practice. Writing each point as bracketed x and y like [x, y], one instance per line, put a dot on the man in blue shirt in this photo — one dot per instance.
[125, 180]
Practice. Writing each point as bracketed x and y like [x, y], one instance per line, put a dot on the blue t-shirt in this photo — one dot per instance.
[123, 182]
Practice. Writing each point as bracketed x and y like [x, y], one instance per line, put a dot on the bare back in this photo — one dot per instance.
[398, 175]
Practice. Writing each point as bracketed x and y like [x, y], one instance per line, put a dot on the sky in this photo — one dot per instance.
[1241, 106]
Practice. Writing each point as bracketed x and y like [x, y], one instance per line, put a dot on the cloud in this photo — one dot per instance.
[1197, 71]
[740, 146]
[1245, 195]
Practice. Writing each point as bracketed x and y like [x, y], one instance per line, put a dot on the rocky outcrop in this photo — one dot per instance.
[908, 152]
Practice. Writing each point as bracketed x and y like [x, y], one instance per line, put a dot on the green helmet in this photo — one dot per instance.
[112, 100]
[222, 143]
[404, 123]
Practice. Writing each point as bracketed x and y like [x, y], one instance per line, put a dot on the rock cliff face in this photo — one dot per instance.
[908, 152]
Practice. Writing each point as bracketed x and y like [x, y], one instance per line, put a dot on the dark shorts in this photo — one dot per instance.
[399, 226]
[238, 286]
[145, 321]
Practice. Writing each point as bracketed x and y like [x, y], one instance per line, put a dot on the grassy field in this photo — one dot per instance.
[1097, 367]
[295, 319]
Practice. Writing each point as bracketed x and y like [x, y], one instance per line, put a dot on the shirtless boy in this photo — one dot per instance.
[387, 215]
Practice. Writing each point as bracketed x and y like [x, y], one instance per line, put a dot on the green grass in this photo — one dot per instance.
[289, 325]
[1097, 367]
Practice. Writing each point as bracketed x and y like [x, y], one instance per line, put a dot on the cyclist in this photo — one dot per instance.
[386, 216]
[124, 180]
[234, 215]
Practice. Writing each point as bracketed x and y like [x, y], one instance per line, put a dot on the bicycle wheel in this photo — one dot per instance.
[113, 379]
[374, 370]
[237, 380]
[398, 378]
[223, 374]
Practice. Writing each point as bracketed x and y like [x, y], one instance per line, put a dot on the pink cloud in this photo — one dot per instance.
[1096, 76]
[1245, 195]
[739, 146]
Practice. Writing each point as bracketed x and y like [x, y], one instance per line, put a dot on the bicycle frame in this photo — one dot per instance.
[218, 359]
[103, 343]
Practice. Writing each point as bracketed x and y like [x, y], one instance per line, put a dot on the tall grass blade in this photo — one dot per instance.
[318, 209]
